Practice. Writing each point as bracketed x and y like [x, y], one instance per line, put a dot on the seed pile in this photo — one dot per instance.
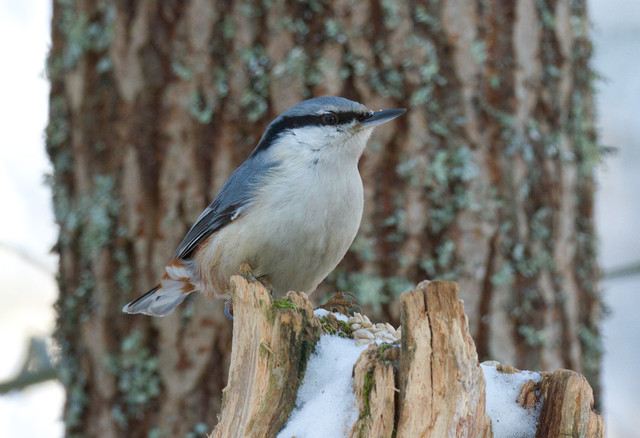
[365, 332]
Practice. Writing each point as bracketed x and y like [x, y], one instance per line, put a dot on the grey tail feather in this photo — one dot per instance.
[132, 305]
[154, 304]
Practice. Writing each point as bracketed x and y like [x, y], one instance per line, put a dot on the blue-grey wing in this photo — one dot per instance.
[233, 198]
[208, 223]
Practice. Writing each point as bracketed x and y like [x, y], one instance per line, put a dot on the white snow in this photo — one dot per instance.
[326, 405]
[508, 418]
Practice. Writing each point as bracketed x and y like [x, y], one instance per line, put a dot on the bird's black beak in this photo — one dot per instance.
[379, 117]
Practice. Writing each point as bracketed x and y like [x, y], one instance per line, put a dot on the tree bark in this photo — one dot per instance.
[487, 180]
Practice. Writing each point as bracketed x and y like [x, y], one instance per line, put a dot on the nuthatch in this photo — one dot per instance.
[290, 211]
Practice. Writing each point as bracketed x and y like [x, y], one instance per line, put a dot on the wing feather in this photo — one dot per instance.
[208, 223]
[232, 200]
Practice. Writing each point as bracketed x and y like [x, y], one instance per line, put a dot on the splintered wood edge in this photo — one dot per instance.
[425, 311]
[248, 289]
[567, 405]
[264, 331]
[374, 384]
[567, 408]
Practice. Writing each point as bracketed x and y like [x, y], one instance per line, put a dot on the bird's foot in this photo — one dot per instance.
[266, 283]
[247, 272]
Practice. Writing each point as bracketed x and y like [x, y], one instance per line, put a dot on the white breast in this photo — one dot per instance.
[301, 223]
[301, 227]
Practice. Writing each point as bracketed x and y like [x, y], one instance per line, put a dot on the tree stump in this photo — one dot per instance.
[428, 385]
[375, 384]
[567, 406]
[441, 389]
[438, 367]
[270, 350]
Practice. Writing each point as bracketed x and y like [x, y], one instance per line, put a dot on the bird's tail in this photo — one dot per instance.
[177, 283]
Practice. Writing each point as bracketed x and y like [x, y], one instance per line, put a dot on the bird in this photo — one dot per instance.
[290, 211]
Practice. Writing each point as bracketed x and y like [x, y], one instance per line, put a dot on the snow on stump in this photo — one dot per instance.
[428, 385]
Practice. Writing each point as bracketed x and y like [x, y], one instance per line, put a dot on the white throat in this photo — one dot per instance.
[312, 146]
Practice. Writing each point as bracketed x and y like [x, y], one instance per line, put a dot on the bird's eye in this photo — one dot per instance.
[329, 119]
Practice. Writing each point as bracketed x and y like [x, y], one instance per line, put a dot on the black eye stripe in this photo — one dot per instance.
[317, 120]
[348, 117]
[329, 119]
[291, 122]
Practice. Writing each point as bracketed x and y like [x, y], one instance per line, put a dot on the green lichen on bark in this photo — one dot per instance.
[86, 226]
[284, 304]
[530, 253]
[87, 210]
[136, 370]
[451, 169]
[588, 154]
[82, 34]
[367, 387]
[255, 98]
[74, 295]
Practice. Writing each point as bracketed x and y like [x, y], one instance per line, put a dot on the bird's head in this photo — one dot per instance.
[322, 129]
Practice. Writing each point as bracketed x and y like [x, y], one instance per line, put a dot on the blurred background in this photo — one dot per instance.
[27, 230]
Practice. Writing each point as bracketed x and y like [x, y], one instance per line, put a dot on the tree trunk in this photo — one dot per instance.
[487, 180]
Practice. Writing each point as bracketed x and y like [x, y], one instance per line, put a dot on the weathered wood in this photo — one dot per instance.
[374, 382]
[567, 407]
[442, 388]
[430, 385]
[271, 346]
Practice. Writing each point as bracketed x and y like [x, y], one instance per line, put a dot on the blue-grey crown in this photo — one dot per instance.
[320, 105]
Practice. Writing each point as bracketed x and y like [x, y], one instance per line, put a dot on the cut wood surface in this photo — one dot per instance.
[428, 385]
